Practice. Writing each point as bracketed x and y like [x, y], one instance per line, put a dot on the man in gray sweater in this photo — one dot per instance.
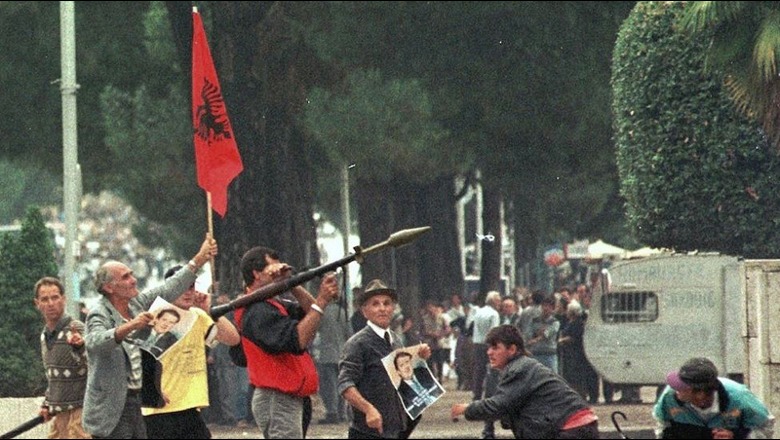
[65, 361]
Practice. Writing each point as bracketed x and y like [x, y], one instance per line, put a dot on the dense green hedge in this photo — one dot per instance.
[694, 173]
[25, 257]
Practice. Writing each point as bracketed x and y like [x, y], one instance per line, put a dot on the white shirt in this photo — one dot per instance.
[381, 331]
[485, 319]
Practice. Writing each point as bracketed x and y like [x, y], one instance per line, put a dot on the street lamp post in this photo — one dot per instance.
[346, 229]
[71, 175]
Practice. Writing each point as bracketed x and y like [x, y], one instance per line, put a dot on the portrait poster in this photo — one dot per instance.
[169, 325]
[414, 383]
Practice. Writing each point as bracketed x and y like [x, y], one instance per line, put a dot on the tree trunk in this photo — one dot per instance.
[380, 213]
[272, 198]
[526, 236]
[440, 272]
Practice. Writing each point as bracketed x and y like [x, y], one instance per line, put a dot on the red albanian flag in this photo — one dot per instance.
[216, 153]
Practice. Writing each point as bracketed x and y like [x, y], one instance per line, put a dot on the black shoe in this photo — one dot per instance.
[488, 434]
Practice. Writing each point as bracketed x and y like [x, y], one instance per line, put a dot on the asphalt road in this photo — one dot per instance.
[436, 422]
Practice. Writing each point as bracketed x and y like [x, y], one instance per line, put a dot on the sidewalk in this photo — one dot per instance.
[16, 411]
[436, 422]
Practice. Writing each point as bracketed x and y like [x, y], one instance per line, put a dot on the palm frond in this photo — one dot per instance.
[739, 91]
[731, 47]
[768, 44]
[703, 14]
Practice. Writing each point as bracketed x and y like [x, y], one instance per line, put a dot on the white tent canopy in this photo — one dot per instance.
[643, 252]
[601, 249]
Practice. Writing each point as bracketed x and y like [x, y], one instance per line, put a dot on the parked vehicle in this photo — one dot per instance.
[648, 316]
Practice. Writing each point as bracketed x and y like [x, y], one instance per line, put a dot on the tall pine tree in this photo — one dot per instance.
[25, 257]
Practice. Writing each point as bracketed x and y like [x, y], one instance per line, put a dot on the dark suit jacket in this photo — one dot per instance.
[163, 343]
[408, 394]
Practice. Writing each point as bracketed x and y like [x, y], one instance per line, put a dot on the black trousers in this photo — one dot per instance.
[355, 434]
[180, 424]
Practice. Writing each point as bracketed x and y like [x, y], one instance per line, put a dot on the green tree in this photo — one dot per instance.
[25, 184]
[148, 130]
[743, 49]
[107, 52]
[388, 129]
[482, 66]
[25, 258]
[695, 173]
[526, 106]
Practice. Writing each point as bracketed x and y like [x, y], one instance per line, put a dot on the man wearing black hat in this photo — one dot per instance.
[688, 409]
[363, 381]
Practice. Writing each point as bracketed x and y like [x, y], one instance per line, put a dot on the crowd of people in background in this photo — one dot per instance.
[552, 325]
[522, 349]
[105, 233]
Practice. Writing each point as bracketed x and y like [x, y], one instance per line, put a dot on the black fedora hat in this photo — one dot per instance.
[377, 287]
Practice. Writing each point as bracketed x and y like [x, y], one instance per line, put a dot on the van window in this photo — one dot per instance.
[618, 307]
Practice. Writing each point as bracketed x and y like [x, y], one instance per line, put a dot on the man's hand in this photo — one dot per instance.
[329, 288]
[142, 320]
[374, 419]
[44, 412]
[208, 250]
[74, 337]
[424, 351]
[202, 301]
[458, 410]
[722, 433]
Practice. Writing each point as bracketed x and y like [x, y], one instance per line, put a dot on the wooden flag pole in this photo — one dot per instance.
[210, 217]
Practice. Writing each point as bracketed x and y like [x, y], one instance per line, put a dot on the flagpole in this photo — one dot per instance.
[210, 217]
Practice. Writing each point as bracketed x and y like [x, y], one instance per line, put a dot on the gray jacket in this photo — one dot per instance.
[108, 363]
[531, 400]
[333, 333]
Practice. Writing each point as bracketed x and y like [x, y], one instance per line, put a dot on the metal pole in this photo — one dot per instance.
[479, 223]
[345, 214]
[346, 230]
[71, 198]
[460, 213]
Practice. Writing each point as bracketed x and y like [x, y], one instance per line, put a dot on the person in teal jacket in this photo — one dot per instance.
[699, 404]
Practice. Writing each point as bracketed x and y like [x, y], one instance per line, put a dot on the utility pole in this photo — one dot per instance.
[346, 230]
[71, 199]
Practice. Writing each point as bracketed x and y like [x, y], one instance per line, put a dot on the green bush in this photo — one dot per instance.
[24, 258]
[694, 173]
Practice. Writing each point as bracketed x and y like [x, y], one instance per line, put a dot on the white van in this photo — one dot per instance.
[648, 316]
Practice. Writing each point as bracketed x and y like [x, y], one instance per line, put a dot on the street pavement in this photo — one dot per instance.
[436, 422]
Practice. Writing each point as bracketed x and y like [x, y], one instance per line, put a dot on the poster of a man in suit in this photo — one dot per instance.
[168, 326]
[416, 386]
